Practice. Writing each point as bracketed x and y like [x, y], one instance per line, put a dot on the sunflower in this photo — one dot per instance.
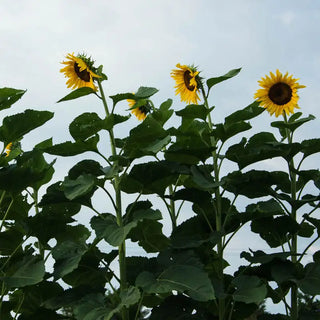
[141, 111]
[187, 83]
[79, 71]
[8, 149]
[278, 93]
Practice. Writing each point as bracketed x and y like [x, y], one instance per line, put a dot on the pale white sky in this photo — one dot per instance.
[140, 41]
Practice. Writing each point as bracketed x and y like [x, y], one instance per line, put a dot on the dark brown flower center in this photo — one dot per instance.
[144, 109]
[83, 75]
[280, 93]
[187, 78]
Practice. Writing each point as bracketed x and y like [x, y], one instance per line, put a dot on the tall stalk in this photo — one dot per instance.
[116, 181]
[294, 240]
[216, 168]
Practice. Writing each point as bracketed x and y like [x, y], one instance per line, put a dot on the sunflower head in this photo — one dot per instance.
[140, 111]
[188, 83]
[80, 71]
[278, 93]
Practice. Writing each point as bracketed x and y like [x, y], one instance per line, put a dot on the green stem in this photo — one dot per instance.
[294, 240]
[216, 169]
[122, 246]
[5, 215]
[172, 209]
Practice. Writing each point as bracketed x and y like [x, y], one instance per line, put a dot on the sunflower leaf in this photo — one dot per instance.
[145, 92]
[8, 96]
[122, 96]
[84, 91]
[213, 81]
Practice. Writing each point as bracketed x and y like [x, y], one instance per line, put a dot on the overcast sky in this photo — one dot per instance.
[140, 41]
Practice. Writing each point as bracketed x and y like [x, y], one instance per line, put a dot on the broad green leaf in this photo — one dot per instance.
[8, 96]
[16, 126]
[163, 113]
[81, 186]
[148, 233]
[310, 147]
[68, 148]
[67, 255]
[10, 241]
[91, 307]
[261, 146]
[85, 126]
[310, 284]
[106, 227]
[249, 289]
[145, 92]
[213, 81]
[110, 121]
[84, 91]
[275, 231]
[148, 178]
[28, 271]
[306, 230]
[147, 138]
[249, 112]
[226, 131]
[86, 167]
[293, 124]
[30, 299]
[19, 208]
[194, 111]
[262, 257]
[122, 96]
[129, 296]
[186, 279]
[256, 183]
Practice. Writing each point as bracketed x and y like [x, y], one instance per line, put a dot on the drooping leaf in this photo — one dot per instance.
[8, 96]
[194, 111]
[249, 112]
[80, 92]
[67, 255]
[188, 279]
[81, 186]
[249, 289]
[145, 92]
[213, 81]
[28, 271]
[68, 148]
[310, 284]
[16, 126]
[85, 126]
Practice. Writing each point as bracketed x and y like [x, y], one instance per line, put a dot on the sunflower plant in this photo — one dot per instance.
[167, 190]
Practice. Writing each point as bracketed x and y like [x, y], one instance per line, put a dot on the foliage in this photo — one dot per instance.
[182, 274]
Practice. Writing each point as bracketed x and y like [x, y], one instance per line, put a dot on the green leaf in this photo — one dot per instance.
[16, 126]
[67, 255]
[129, 297]
[249, 112]
[8, 96]
[262, 257]
[162, 114]
[110, 121]
[106, 227]
[68, 148]
[145, 92]
[84, 91]
[310, 147]
[275, 231]
[186, 279]
[148, 178]
[310, 284]
[149, 235]
[225, 132]
[81, 186]
[91, 307]
[194, 111]
[148, 138]
[249, 289]
[213, 81]
[25, 272]
[89, 167]
[293, 124]
[10, 241]
[122, 96]
[85, 126]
